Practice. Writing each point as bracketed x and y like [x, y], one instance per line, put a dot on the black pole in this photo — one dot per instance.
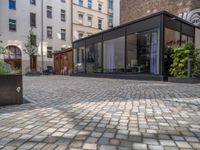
[42, 36]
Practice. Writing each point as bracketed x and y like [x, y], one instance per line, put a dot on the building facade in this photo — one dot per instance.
[54, 23]
[48, 21]
[134, 9]
[93, 16]
[138, 47]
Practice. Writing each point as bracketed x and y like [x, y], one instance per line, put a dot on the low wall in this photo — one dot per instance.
[11, 90]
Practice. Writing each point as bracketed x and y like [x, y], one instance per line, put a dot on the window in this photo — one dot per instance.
[94, 58]
[113, 55]
[80, 35]
[81, 2]
[62, 1]
[143, 52]
[90, 4]
[100, 7]
[49, 12]
[185, 38]
[110, 20]
[33, 40]
[49, 52]
[79, 59]
[80, 18]
[49, 32]
[32, 20]
[12, 4]
[63, 34]
[100, 24]
[90, 21]
[110, 4]
[62, 15]
[33, 2]
[172, 39]
[12, 25]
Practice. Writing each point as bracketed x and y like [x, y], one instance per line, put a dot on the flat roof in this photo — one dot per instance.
[138, 20]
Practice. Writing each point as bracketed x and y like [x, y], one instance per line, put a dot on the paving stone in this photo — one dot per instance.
[61, 147]
[167, 143]
[106, 147]
[9, 148]
[39, 146]
[27, 145]
[139, 146]
[150, 141]
[90, 146]
[183, 144]
[155, 147]
[49, 147]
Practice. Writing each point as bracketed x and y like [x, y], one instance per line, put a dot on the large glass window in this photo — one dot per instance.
[94, 58]
[114, 53]
[79, 59]
[172, 39]
[185, 39]
[143, 52]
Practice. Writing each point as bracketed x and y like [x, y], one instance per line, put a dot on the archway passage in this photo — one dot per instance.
[13, 57]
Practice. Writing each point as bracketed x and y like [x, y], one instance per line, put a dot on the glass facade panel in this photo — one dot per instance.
[94, 58]
[185, 39]
[172, 39]
[143, 52]
[79, 59]
[114, 54]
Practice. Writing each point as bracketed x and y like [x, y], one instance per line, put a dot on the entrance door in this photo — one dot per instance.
[34, 63]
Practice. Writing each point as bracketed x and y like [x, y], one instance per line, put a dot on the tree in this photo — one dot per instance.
[31, 48]
[2, 50]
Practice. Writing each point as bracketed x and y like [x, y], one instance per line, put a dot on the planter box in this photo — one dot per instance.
[184, 80]
[11, 90]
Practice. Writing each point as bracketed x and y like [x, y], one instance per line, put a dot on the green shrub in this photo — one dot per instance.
[5, 68]
[180, 57]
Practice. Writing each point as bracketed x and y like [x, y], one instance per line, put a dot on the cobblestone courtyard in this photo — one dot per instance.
[105, 114]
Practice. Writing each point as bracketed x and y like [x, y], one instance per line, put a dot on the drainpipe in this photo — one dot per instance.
[42, 36]
[72, 32]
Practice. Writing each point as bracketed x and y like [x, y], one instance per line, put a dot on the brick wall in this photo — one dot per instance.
[134, 9]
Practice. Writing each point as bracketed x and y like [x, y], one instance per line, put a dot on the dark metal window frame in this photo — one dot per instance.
[33, 19]
[157, 20]
[12, 25]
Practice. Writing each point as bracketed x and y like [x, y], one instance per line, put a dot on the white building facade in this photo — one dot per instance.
[47, 19]
[55, 24]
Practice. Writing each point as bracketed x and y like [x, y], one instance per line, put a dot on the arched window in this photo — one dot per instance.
[12, 52]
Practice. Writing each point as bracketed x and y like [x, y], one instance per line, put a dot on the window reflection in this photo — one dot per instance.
[79, 60]
[143, 52]
[185, 39]
[114, 53]
[172, 38]
[93, 58]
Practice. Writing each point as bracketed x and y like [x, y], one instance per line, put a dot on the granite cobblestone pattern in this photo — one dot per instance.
[105, 114]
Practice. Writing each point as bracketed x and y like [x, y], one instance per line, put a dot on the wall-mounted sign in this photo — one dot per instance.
[193, 16]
